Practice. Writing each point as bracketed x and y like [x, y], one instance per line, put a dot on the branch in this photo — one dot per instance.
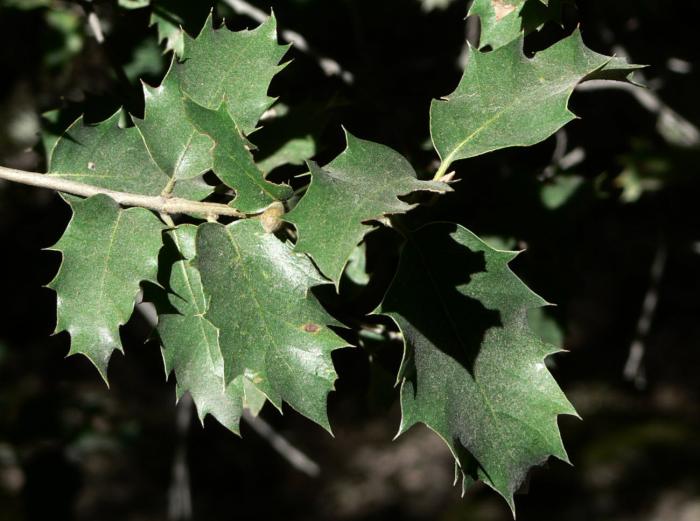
[166, 205]
[93, 20]
[633, 370]
[294, 456]
[96, 27]
[687, 134]
[180, 492]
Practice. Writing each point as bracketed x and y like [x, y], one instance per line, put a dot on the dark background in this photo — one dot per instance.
[72, 449]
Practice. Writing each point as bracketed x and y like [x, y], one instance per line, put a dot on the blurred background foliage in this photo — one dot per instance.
[606, 209]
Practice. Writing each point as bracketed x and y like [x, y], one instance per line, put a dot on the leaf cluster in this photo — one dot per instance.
[240, 321]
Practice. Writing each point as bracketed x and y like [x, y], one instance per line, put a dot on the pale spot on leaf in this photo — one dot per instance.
[502, 8]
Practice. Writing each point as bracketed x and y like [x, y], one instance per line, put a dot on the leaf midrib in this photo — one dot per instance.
[108, 256]
[516, 100]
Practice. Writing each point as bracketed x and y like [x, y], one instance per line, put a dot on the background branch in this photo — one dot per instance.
[329, 66]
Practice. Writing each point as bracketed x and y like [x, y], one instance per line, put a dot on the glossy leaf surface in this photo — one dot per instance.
[506, 99]
[191, 343]
[233, 67]
[273, 330]
[107, 253]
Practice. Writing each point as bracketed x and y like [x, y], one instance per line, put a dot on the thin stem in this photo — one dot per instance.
[96, 26]
[180, 493]
[301, 190]
[165, 205]
[634, 370]
[169, 187]
[442, 170]
[167, 220]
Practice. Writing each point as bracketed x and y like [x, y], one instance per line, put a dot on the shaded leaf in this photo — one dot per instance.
[134, 4]
[291, 136]
[107, 252]
[361, 184]
[273, 331]
[146, 61]
[472, 369]
[293, 152]
[356, 269]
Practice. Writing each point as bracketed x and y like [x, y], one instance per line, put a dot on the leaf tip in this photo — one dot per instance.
[101, 365]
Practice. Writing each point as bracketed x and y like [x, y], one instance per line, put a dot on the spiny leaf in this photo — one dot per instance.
[361, 184]
[236, 67]
[273, 331]
[114, 158]
[165, 145]
[233, 163]
[503, 21]
[107, 253]
[169, 33]
[107, 156]
[472, 369]
[505, 99]
[172, 140]
[191, 343]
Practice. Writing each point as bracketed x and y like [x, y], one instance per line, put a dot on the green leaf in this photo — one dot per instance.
[273, 331]
[236, 67]
[114, 158]
[146, 60]
[503, 21]
[356, 268]
[168, 32]
[361, 184]
[191, 343]
[134, 4]
[505, 99]
[472, 369]
[232, 161]
[293, 152]
[107, 252]
[107, 156]
[291, 136]
[172, 140]
[560, 190]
